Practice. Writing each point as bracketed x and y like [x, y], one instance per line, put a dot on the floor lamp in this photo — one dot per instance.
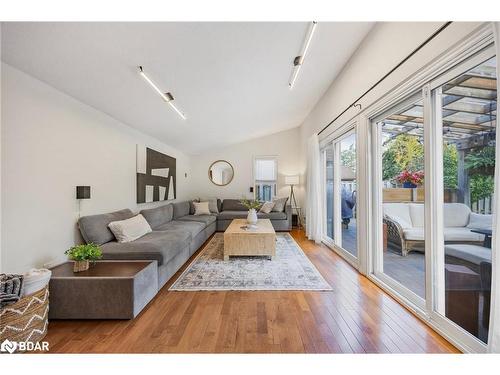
[293, 180]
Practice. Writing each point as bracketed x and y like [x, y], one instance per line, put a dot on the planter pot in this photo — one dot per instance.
[409, 185]
[80, 265]
[252, 217]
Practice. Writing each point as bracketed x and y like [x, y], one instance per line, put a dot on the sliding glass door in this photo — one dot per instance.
[399, 140]
[432, 183]
[466, 108]
[340, 190]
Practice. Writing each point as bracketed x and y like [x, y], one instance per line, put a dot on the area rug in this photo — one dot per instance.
[289, 270]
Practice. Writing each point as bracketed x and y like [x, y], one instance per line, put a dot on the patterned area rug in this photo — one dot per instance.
[290, 270]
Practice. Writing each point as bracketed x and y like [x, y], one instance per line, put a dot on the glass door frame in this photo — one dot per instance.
[336, 243]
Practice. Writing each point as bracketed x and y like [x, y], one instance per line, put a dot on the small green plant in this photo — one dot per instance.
[250, 203]
[84, 252]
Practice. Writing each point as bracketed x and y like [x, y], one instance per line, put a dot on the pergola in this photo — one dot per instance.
[468, 113]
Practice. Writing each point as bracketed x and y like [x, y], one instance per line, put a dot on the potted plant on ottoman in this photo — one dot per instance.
[82, 254]
[252, 206]
[410, 179]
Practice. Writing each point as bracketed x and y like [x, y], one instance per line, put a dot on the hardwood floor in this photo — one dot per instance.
[355, 317]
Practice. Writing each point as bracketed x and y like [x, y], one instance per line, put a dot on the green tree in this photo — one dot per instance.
[450, 166]
[348, 157]
[406, 152]
[402, 152]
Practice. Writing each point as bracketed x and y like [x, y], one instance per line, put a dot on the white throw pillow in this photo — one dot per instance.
[267, 207]
[130, 229]
[212, 205]
[201, 208]
[480, 221]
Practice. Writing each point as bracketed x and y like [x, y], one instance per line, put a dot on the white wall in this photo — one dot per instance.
[50, 144]
[284, 145]
[384, 47]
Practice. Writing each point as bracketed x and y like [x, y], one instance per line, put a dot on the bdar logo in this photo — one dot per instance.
[8, 346]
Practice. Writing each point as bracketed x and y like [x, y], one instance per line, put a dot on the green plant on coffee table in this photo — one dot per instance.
[89, 251]
[250, 203]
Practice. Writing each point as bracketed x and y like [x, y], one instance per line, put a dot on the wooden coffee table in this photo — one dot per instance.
[260, 241]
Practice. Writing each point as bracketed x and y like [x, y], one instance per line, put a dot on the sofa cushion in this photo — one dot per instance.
[157, 245]
[95, 229]
[417, 215]
[159, 215]
[456, 215]
[470, 253]
[206, 219]
[450, 234]
[233, 205]
[229, 215]
[181, 209]
[399, 212]
[461, 234]
[192, 227]
[480, 221]
[414, 234]
[272, 215]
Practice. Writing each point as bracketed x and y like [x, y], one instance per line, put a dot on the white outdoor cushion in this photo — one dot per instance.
[461, 234]
[471, 253]
[450, 234]
[479, 221]
[456, 215]
[399, 212]
[414, 234]
[201, 208]
[130, 229]
[417, 214]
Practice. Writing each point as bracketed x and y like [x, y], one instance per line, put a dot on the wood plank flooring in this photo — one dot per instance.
[355, 317]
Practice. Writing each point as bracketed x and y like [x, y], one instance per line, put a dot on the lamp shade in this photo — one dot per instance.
[292, 180]
[83, 192]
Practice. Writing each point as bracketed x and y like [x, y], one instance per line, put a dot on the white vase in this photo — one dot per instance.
[252, 217]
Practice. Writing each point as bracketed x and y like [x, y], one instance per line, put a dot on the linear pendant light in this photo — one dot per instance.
[299, 60]
[168, 97]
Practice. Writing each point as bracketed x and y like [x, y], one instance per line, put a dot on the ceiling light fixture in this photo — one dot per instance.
[299, 60]
[168, 97]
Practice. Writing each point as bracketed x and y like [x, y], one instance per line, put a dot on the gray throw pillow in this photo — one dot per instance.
[279, 204]
[191, 205]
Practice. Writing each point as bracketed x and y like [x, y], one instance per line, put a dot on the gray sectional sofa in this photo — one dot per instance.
[177, 233]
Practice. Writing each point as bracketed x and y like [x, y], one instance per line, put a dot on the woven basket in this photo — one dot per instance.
[26, 320]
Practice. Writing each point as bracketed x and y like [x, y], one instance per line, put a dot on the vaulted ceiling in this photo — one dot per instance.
[230, 79]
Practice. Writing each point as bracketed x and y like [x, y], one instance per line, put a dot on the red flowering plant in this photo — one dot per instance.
[415, 178]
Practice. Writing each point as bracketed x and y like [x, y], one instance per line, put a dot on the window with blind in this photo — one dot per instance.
[266, 176]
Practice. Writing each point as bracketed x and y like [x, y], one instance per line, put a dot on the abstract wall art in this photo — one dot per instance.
[155, 176]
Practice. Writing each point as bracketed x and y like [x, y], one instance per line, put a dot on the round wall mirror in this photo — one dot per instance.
[221, 172]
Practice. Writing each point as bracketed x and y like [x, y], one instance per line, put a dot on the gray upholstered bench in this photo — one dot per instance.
[108, 290]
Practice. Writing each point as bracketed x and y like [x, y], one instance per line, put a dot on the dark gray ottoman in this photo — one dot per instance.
[108, 290]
